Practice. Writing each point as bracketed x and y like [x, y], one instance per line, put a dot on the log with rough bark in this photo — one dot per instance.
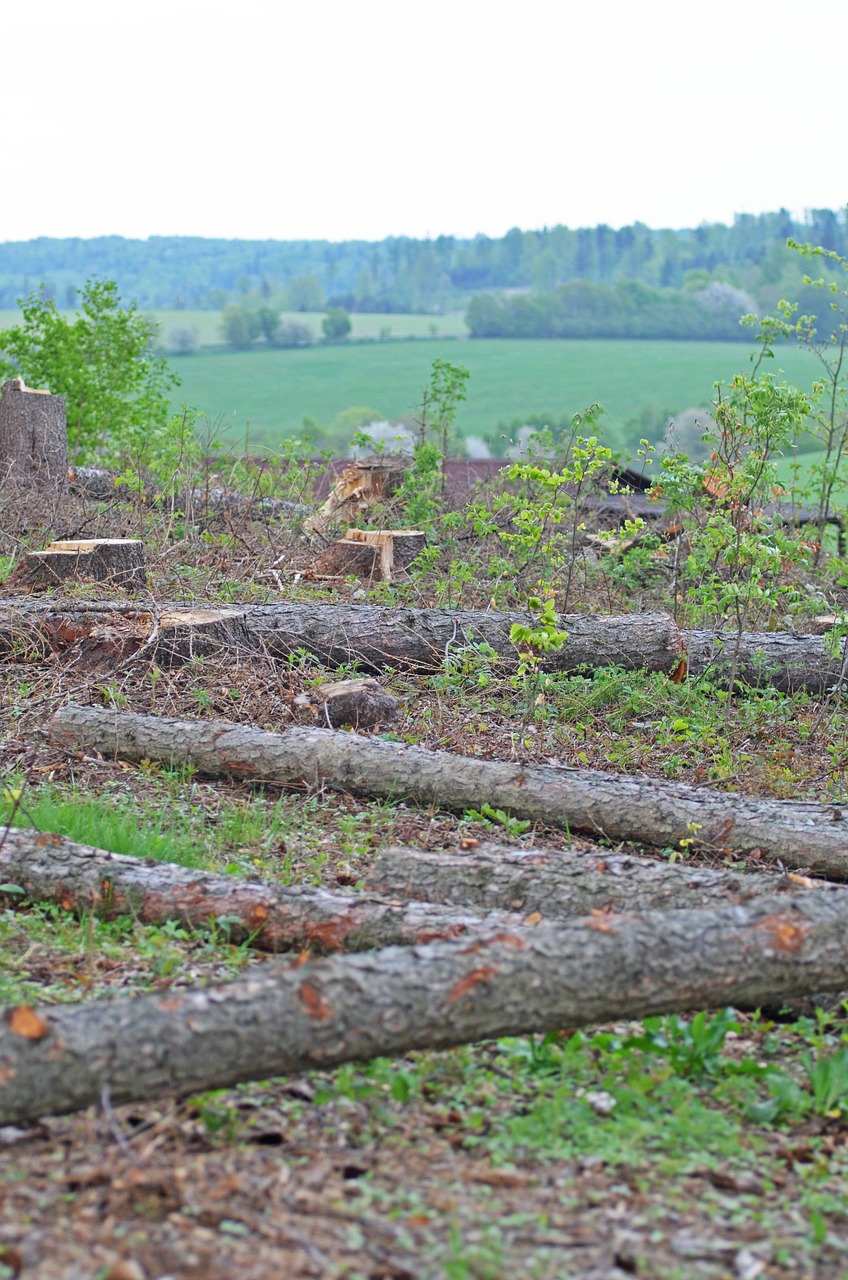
[375, 637]
[774, 659]
[412, 896]
[557, 883]
[48, 868]
[118, 562]
[421, 639]
[617, 806]
[357, 704]
[33, 441]
[292, 1017]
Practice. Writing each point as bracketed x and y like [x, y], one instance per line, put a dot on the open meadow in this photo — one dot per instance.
[265, 395]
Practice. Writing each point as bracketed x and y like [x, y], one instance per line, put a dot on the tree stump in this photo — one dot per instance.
[33, 440]
[359, 704]
[374, 555]
[116, 561]
[361, 485]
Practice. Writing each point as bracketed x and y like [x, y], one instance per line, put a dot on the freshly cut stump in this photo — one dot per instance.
[358, 704]
[348, 559]
[361, 485]
[376, 555]
[119, 562]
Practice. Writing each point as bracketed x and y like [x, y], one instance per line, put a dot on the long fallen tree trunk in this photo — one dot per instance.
[48, 868]
[351, 1008]
[555, 884]
[400, 910]
[617, 806]
[415, 639]
[375, 637]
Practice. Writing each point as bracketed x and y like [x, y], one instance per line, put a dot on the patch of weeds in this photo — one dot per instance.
[106, 822]
[491, 817]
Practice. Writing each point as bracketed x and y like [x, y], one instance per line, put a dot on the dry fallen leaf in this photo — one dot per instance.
[24, 1021]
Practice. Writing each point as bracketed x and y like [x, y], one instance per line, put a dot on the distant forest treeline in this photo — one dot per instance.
[591, 281]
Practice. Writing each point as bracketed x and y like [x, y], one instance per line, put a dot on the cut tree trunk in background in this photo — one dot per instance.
[118, 562]
[617, 806]
[290, 1018]
[33, 441]
[362, 485]
[357, 704]
[375, 637]
[272, 917]
[348, 559]
[398, 547]
[559, 883]
[773, 659]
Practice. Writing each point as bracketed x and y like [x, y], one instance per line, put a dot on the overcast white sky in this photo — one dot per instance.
[366, 118]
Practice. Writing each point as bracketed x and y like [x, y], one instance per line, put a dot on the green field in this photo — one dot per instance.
[266, 394]
[208, 324]
[262, 396]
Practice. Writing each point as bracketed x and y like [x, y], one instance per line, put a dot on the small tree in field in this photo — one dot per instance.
[336, 324]
[102, 361]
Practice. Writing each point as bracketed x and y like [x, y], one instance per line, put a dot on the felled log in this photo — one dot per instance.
[33, 441]
[617, 806]
[272, 917]
[362, 485]
[118, 562]
[280, 1021]
[773, 659]
[357, 704]
[375, 637]
[556, 883]
[421, 639]
[374, 555]
[101, 485]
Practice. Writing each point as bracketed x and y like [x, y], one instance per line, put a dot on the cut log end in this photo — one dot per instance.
[116, 561]
[373, 555]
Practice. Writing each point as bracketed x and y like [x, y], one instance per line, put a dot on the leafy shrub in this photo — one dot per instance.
[102, 361]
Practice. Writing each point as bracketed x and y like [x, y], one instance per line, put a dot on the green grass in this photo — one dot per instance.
[265, 395]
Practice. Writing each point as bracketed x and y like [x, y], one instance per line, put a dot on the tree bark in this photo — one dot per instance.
[33, 441]
[617, 806]
[358, 704]
[412, 896]
[421, 639]
[116, 561]
[557, 883]
[765, 659]
[375, 637]
[272, 917]
[285, 1020]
